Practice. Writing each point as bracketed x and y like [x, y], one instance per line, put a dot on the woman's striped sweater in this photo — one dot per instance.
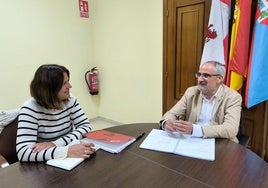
[38, 124]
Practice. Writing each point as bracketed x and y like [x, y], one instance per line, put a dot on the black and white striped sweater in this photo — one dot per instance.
[38, 124]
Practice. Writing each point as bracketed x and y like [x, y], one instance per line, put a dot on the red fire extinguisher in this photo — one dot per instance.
[91, 77]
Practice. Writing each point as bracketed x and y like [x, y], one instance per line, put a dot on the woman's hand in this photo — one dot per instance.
[42, 146]
[83, 150]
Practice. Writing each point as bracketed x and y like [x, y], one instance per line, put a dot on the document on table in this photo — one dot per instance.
[112, 147]
[179, 144]
[109, 141]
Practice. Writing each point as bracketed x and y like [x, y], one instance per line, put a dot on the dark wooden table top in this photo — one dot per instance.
[235, 166]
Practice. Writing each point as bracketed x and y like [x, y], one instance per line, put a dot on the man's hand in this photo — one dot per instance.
[180, 126]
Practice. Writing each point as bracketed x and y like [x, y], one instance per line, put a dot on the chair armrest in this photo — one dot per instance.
[3, 162]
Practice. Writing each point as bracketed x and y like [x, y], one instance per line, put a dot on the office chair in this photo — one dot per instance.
[3, 162]
[242, 138]
[8, 137]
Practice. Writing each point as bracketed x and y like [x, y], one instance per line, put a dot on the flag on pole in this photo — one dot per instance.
[216, 44]
[257, 88]
[239, 47]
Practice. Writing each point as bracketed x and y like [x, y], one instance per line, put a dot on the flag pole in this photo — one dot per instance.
[264, 131]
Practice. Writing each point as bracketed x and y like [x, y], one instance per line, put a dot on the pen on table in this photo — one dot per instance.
[140, 136]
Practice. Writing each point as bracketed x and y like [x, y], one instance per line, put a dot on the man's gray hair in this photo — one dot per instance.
[220, 68]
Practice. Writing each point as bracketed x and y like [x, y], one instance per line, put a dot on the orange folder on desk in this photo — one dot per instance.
[109, 141]
[108, 136]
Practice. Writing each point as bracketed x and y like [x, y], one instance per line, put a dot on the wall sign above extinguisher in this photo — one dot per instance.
[91, 77]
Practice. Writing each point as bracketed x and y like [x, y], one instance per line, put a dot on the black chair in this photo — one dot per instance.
[8, 144]
[242, 138]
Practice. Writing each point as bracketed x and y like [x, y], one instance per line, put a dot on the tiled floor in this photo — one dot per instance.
[102, 123]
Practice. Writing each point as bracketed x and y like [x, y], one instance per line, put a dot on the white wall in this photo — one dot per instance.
[127, 38]
[38, 32]
[122, 37]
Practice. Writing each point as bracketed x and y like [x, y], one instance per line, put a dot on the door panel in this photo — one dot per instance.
[184, 34]
[189, 35]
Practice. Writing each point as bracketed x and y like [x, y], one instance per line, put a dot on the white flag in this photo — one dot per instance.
[216, 44]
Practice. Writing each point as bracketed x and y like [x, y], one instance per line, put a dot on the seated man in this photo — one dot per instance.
[210, 109]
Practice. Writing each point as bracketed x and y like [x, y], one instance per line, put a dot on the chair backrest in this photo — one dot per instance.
[8, 142]
[242, 138]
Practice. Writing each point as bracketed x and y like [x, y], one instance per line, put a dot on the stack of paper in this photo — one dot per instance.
[67, 163]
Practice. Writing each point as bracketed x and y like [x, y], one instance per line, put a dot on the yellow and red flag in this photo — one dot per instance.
[239, 46]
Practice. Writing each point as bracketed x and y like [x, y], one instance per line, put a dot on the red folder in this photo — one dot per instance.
[108, 136]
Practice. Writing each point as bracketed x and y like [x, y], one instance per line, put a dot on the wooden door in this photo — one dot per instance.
[185, 24]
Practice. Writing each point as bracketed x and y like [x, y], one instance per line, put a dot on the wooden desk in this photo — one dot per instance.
[235, 166]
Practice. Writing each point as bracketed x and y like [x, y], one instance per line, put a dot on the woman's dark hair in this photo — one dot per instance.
[46, 84]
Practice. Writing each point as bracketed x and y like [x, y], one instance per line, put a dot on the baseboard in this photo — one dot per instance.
[99, 118]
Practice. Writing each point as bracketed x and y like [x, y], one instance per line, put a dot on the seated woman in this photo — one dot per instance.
[52, 119]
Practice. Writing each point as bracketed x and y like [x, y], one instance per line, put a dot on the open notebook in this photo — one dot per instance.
[179, 144]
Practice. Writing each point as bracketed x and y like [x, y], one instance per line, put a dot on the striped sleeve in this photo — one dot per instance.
[27, 136]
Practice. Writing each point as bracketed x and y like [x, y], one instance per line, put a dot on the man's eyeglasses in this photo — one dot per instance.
[205, 75]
